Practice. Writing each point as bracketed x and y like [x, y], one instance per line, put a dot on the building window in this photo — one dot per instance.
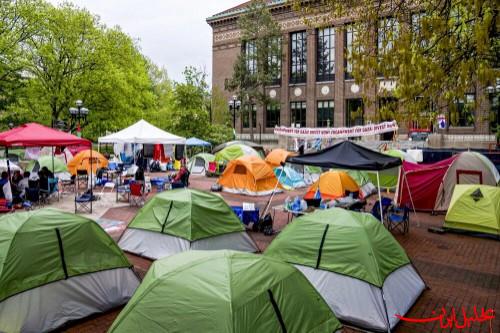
[325, 70]
[354, 112]
[325, 113]
[350, 36]
[275, 60]
[273, 115]
[298, 111]
[245, 119]
[388, 29]
[250, 57]
[416, 29]
[464, 111]
[298, 55]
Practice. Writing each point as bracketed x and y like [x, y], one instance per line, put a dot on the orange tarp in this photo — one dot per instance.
[81, 161]
[278, 156]
[332, 185]
[248, 175]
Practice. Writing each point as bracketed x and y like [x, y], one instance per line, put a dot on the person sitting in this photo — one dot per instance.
[44, 176]
[181, 177]
[5, 190]
[24, 183]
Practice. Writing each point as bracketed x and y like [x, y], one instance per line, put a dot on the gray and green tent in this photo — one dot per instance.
[184, 219]
[362, 272]
[474, 208]
[56, 267]
[225, 292]
[198, 164]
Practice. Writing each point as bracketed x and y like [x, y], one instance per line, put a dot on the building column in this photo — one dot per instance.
[311, 79]
[285, 77]
[340, 104]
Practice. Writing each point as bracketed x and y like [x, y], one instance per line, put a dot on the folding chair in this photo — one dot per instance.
[137, 197]
[83, 203]
[399, 218]
[386, 203]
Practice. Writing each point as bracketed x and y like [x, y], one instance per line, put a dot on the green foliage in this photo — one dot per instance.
[260, 65]
[52, 56]
[435, 50]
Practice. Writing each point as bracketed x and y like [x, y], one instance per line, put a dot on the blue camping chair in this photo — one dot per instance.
[386, 203]
[399, 218]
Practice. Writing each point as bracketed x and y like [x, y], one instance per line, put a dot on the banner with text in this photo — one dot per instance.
[337, 132]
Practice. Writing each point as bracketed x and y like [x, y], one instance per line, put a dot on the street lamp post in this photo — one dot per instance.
[78, 114]
[234, 106]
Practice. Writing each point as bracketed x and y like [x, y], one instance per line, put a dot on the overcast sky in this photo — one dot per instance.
[173, 33]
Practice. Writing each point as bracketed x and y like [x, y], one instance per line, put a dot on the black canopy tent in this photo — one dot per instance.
[348, 155]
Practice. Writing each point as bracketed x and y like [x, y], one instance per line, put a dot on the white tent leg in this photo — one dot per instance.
[380, 198]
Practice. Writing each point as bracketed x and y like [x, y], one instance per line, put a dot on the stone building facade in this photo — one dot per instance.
[317, 99]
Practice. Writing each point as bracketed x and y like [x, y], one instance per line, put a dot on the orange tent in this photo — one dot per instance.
[332, 185]
[81, 161]
[277, 156]
[248, 175]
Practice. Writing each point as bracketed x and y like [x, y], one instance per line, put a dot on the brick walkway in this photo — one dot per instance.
[461, 271]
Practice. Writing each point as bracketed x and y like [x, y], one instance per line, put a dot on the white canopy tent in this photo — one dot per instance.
[145, 133]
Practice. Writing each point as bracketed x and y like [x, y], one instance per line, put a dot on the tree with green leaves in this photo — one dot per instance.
[259, 63]
[16, 18]
[435, 50]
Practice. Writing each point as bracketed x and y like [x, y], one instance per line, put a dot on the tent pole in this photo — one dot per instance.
[52, 150]
[7, 160]
[411, 198]
[380, 198]
[91, 178]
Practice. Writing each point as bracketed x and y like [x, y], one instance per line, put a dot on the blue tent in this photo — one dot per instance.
[290, 179]
[197, 142]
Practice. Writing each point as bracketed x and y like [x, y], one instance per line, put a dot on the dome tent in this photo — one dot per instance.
[233, 152]
[332, 185]
[354, 262]
[467, 168]
[475, 208]
[183, 219]
[224, 292]
[46, 161]
[277, 157]
[78, 270]
[289, 178]
[87, 160]
[198, 164]
[249, 175]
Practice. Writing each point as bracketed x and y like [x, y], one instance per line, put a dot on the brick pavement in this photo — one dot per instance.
[460, 270]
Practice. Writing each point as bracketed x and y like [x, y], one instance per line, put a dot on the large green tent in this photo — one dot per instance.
[474, 208]
[354, 262]
[57, 257]
[235, 151]
[225, 291]
[183, 219]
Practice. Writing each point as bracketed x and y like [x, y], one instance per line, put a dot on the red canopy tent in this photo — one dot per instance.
[36, 135]
[420, 183]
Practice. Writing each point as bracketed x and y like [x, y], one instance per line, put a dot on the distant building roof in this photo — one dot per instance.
[240, 9]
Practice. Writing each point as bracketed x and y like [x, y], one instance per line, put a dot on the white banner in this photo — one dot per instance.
[337, 132]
